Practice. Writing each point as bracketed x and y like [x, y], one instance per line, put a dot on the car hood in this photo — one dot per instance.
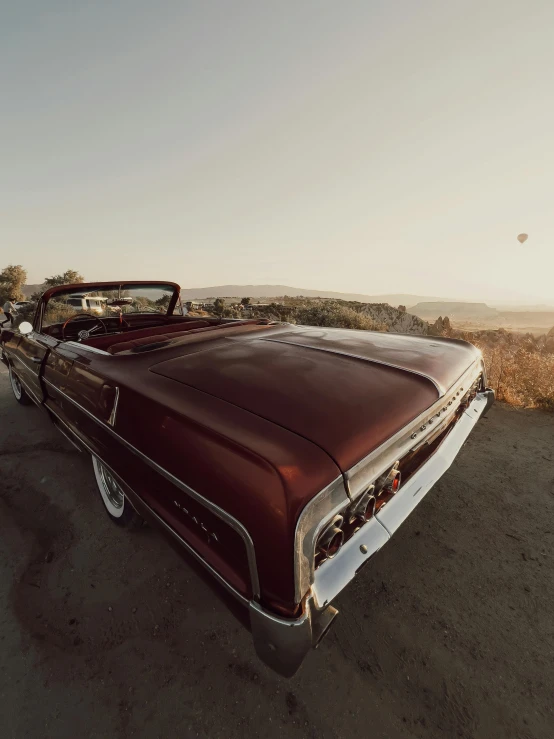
[346, 391]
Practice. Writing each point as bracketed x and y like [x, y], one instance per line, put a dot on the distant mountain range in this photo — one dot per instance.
[439, 305]
[483, 315]
[521, 306]
[456, 310]
[277, 291]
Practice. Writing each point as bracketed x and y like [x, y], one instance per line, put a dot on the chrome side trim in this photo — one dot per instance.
[441, 390]
[64, 429]
[168, 528]
[88, 348]
[311, 521]
[68, 432]
[113, 414]
[32, 395]
[366, 471]
[216, 510]
[220, 579]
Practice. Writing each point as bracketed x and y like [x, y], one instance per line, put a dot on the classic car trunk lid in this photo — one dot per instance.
[347, 405]
[441, 360]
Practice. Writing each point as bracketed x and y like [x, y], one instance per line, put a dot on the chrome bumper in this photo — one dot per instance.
[283, 644]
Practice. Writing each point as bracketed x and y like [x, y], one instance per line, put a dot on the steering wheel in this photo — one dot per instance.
[84, 333]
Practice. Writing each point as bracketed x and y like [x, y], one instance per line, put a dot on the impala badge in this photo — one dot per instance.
[209, 534]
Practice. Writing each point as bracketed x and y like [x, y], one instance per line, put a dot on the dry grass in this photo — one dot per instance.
[198, 313]
[520, 376]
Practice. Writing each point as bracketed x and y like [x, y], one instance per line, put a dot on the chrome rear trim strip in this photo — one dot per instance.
[409, 496]
[219, 512]
[376, 462]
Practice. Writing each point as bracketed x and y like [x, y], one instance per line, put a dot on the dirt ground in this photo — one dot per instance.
[449, 631]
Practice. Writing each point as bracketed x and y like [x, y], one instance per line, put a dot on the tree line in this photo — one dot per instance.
[14, 277]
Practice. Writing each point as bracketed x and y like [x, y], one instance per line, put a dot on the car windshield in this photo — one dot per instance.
[107, 302]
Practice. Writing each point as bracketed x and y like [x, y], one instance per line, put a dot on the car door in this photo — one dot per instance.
[28, 359]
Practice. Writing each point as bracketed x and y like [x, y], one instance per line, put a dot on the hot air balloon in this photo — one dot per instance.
[522, 238]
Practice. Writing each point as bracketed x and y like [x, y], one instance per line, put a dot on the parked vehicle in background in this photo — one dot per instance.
[279, 457]
[88, 304]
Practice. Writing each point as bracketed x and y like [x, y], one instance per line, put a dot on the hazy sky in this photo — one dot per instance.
[394, 146]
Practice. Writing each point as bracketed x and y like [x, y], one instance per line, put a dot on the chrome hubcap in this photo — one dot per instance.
[112, 488]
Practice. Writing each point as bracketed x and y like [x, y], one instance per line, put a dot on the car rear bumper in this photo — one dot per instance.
[283, 644]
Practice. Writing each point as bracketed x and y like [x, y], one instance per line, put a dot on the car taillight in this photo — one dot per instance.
[394, 484]
[331, 539]
[389, 487]
[365, 508]
[392, 480]
[362, 510]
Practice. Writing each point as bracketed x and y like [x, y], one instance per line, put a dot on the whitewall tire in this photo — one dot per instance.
[113, 496]
[18, 390]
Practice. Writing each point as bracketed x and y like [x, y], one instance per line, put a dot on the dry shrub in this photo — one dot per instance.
[57, 311]
[520, 376]
[231, 312]
[336, 316]
[314, 312]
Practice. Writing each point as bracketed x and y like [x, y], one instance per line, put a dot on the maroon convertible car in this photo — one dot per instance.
[279, 457]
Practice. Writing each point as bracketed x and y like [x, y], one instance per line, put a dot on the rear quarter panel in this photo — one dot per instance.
[74, 397]
[258, 473]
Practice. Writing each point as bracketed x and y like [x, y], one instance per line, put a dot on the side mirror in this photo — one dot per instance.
[25, 328]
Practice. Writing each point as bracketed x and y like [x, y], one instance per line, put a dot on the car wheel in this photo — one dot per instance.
[18, 389]
[117, 506]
